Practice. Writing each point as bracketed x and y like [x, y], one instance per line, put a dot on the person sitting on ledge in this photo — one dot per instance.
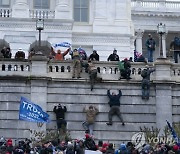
[20, 55]
[125, 71]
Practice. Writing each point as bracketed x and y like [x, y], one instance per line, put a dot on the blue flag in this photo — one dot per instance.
[29, 111]
[173, 132]
[63, 44]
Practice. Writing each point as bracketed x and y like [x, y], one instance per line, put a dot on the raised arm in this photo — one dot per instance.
[96, 110]
[120, 93]
[54, 109]
[66, 52]
[65, 109]
[84, 109]
[108, 94]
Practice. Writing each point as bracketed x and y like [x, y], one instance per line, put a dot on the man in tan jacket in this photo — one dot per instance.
[91, 113]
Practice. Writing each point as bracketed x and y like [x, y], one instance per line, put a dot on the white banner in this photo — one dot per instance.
[92, 152]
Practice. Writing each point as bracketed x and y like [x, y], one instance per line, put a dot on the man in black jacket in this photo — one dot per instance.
[114, 104]
[60, 114]
[113, 56]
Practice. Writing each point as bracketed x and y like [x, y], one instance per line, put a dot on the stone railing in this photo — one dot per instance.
[42, 13]
[5, 12]
[107, 70]
[153, 5]
[13, 67]
[63, 69]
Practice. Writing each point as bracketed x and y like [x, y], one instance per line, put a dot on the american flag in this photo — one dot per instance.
[136, 55]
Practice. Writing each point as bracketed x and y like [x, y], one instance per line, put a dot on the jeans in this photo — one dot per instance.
[176, 56]
[145, 89]
[150, 55]
[88, 126]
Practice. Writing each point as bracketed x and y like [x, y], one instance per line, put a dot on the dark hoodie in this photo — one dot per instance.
[114, 99]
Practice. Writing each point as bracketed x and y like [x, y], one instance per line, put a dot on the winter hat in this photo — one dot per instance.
[122, 146]
[105, 145]
[125, 59]
[175, 147]
[146, 148]
[9, 142]
[2, 139]
[87, 136]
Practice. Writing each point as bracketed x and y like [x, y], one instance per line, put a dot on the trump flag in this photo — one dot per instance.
[29, 111]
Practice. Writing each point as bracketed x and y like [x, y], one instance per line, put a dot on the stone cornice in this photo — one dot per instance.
[100, 38]
[30, 24]
[156, 14]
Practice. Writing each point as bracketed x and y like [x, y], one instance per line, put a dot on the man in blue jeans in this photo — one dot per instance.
[150, 44]
[91, 113]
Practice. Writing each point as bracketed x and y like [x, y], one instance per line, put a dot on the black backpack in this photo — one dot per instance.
[144, 73]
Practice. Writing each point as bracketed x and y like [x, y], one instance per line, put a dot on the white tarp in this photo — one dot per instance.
[92, 152]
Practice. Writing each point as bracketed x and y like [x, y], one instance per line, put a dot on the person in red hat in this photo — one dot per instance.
[9, 145]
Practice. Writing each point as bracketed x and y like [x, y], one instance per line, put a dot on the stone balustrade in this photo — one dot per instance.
[63, 69]
[42, 13]
[5, 12]
[155, 5]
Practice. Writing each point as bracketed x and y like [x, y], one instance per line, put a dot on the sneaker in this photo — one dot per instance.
[78, 77]
[123, 124]
[109, 123]
[73, 77]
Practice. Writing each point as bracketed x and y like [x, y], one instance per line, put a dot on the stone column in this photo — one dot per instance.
[100, 10]
[39, 87]
[163, 93]
[20, 9]
[139, 34]
[62, 10]
[164, 45]
[162, 4]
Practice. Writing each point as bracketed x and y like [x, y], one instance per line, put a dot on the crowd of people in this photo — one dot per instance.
[150, 45]
[81, 146]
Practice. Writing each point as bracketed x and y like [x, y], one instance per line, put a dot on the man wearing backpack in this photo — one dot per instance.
[146, 82]
[125, 71]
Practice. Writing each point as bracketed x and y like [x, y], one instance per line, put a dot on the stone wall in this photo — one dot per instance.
[47, 87]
